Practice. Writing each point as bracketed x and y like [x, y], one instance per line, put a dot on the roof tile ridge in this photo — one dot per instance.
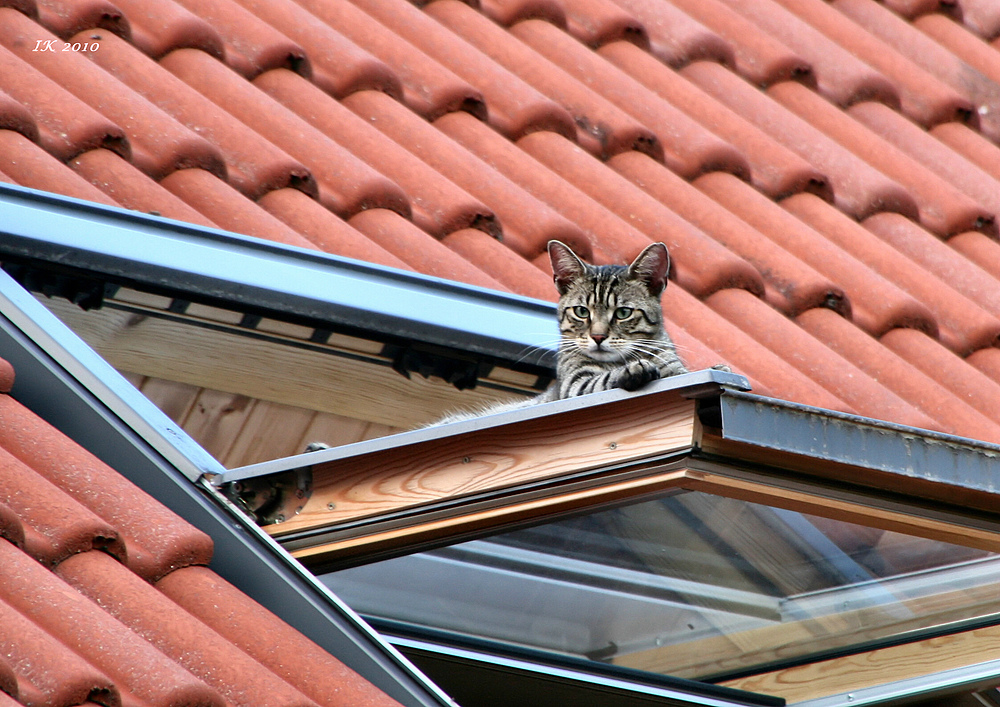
[160, 26]
[676, 36]
[64, 18]
[15, 116]
[507, 12]
[597, 22]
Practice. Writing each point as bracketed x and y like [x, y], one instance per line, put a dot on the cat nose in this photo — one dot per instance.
[598, 338]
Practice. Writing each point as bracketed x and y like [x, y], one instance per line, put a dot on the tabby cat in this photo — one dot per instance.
[610, 324]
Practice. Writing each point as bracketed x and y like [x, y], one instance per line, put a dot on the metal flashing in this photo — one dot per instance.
[62, 380]
[130, 248]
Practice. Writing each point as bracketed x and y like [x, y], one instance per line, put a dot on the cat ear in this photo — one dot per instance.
[566, 266]
[651, 266]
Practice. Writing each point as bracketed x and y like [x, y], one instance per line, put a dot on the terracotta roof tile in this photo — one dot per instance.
[949, 370]
[943, 209]
[65, 18]
[988, 362]
[700, 264]
[528, 223]
[160, 26]
[923, 97]
[840, 76]
[983, 251]
[137, 668]
[602, 127]
[982, 17]
[14, 116]
[961, 324]
[759, 58]
[813, 359]
[875, 314]
[774, 169]
[27, 7]
[132, 189]
[411, 245]
[971, 145]
[515, 107]
[490, 255]
[238, 619]
[255, 166]
[981, 91]
[917, 387]
[596, 22]
[323, 228]
[8, 684]
[858, 188]
[438, 206]
[30, 166]
[507, 12]
[229, 209]
[734, 343]
[66, 125]
[156, 540]
[346, 184]
[12, 530]
[676, 35]
[168, 627]
[429, 88]
[339, 66]
[960, 42]
[251, 45]
[688, 147]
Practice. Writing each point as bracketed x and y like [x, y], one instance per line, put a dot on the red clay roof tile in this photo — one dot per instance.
[914, 8]
[597, 22]
[229, 209]
[732, 341]
[131, 188]
[285, 652]
[875, 314]
[943, 209]
[160, 26]
[840, 76]
[438, 205]
[66, 125]
[515, 107]
[323, 228]
[407, 242]
[30, 166]
[429, 88]
[962, 325]
[602, 127]
[759, 58]
[490, 255]
[987, 361]
[790, 285]
[981, 16]
[858, 188]
[346, 184]
[935, 257]
[136, 667]
[507, 12]
[156, 540]
[688, 148]
[168, 627]
[960, 42]
[46, 672]
[12, 530]
[676, 35]
[983, 93]
[251, 45]
[528, 223]
[964, 381]
[971, 145]
[14, 116]
[700, 264]
[919, 389]
[255, 166]
[64, 18]
[339, 66]
[8, 683]
[983, 251]
[813, 359]
[923, 97]
[55, 525]
[929, 152]
[774, 169]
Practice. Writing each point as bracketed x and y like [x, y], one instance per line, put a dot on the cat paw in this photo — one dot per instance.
[315, 447]
[722, 367]
[636, 374]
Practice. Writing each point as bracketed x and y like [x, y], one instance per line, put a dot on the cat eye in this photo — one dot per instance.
[623, 312]
[581, 311]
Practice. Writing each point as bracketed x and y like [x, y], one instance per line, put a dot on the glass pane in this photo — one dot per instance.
[690, 585]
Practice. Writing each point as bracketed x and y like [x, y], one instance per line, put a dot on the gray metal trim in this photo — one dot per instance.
[694, 384]
[61, 379]
[860, 441]
[170, 256]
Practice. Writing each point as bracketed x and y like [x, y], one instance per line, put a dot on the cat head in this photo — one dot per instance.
[609, 312]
